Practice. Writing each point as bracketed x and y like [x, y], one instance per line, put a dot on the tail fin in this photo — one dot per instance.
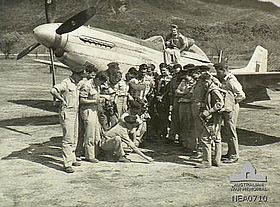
[257, 63]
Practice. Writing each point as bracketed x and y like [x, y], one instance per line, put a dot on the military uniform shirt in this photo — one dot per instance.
[121, 88]
[177, 41]
[198, 92]
[69, 92]
[232, 84]
[118, 131]
[89, 91]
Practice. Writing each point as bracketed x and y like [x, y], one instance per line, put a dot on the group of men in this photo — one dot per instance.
[94, 115]
[107, 112]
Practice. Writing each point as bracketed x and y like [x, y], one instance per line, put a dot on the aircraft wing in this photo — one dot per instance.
[254, 79]
[255, 84]
[47, 62]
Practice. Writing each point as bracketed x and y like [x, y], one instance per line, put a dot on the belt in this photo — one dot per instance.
[196, 101]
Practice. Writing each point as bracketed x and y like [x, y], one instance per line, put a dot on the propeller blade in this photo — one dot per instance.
[52, 66]
[50, 10]
[53, 72]
[76, 21]
[27, 50]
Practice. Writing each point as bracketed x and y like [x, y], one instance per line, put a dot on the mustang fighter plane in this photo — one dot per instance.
[75, 45]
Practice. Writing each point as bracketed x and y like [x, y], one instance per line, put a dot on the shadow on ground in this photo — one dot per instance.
[47, 153]
[162, 151]
[46, 105]
[29, 121]
[252, 106]
[251, 138]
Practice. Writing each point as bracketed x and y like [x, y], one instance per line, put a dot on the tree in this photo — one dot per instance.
[7, 42]
[116, 6]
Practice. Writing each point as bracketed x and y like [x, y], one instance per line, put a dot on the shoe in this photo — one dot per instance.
[230, 160]
[76, 164]
[124, 159]
[94, 160]
[69, 170]
[196, 155]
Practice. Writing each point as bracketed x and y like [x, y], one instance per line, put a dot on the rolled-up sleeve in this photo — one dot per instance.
[61, 87]
[237, 90]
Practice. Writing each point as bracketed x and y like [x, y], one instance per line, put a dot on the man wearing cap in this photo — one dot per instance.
[230, 83]
[68, 93]
[185, 114]
[176, 43]
[205, 69]
[198, 102]
[112, 139]
[137, 108]
[211, 119]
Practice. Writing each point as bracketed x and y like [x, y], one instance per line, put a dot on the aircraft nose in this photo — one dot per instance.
[46, 35]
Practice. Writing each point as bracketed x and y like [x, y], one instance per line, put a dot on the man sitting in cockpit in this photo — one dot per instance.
[175, 43]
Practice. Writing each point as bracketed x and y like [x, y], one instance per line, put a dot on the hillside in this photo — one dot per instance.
[234, 26]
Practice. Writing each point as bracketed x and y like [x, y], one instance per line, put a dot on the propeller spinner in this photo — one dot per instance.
[50, 35]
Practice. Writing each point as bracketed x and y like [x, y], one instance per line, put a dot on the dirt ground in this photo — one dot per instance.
[31, 172]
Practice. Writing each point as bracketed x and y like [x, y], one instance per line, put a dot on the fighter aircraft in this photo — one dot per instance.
[76, 45]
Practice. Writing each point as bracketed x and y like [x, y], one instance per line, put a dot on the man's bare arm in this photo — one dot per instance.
[57, 95]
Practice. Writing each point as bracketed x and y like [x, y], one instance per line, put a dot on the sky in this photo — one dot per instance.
[276, 2]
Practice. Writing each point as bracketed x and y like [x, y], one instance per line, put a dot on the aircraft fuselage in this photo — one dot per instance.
[88, 45]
